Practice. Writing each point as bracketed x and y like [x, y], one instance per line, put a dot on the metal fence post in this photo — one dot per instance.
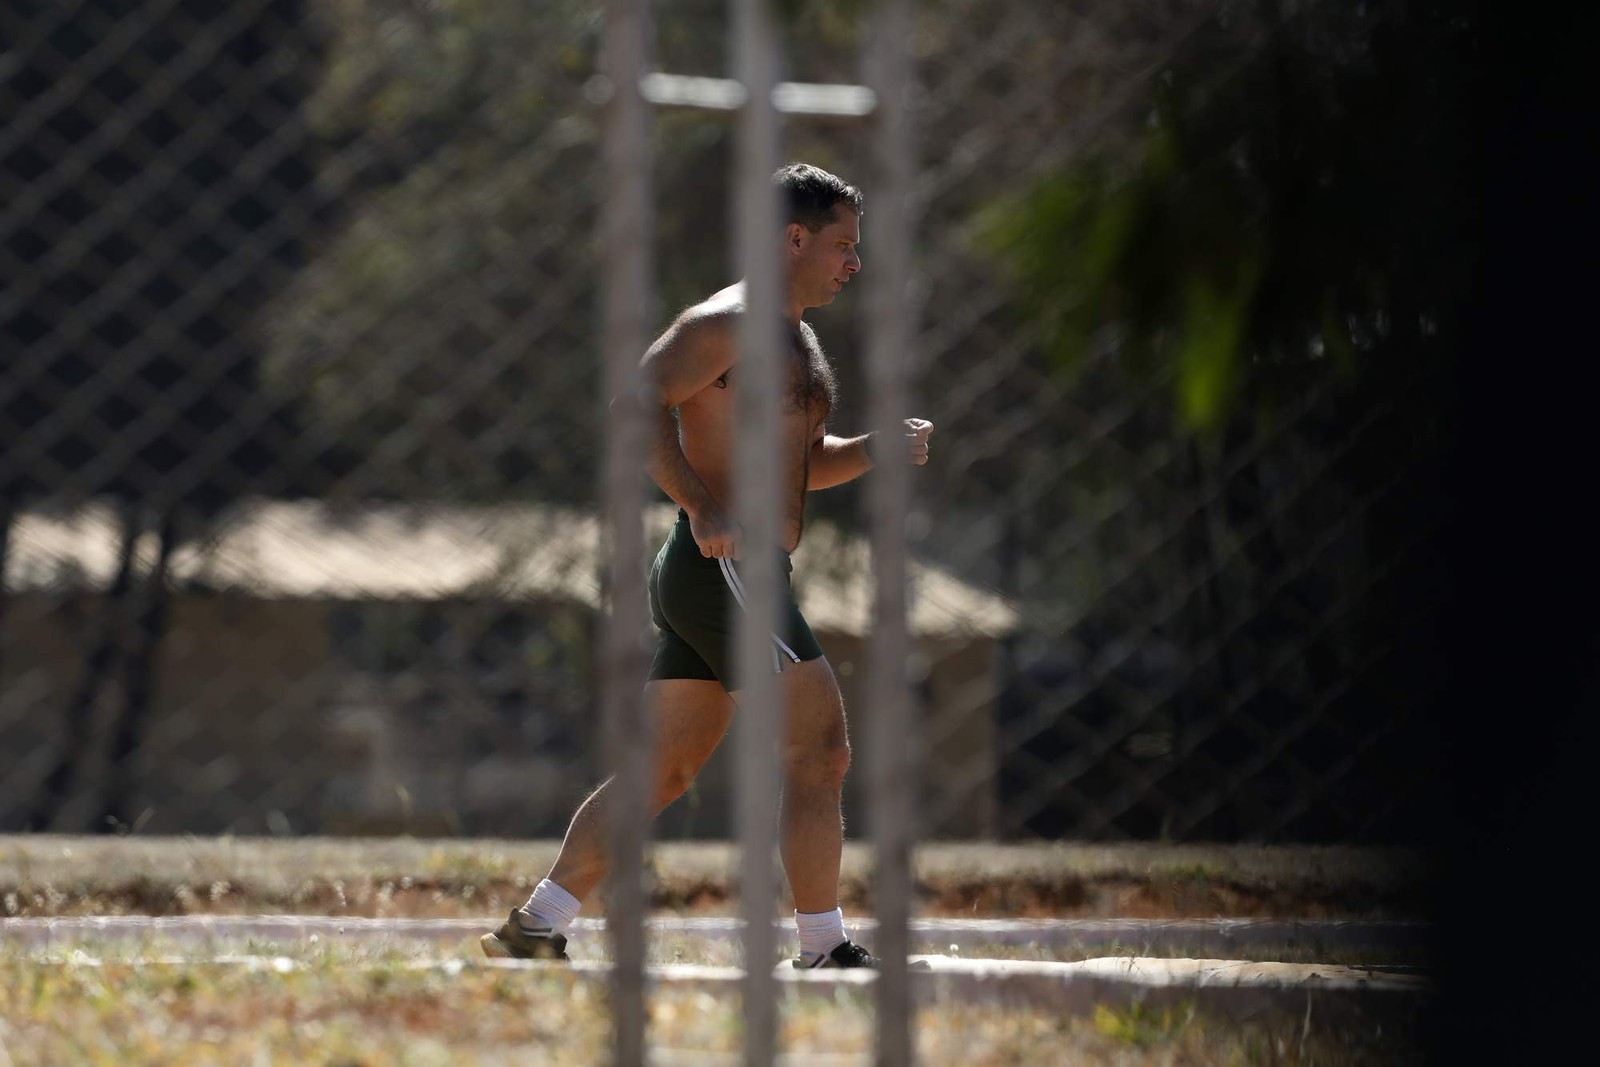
[630, 729]
[888, 344]
[756, 509]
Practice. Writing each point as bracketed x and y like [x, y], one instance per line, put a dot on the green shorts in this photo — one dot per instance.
[692, 600]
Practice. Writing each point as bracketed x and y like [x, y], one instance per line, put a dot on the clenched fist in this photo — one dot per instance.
[917, 432]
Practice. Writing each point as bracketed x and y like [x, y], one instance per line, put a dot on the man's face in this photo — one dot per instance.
[821, 263]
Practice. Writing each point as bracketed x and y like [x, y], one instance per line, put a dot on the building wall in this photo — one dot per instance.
[231, 729]
[262, 719]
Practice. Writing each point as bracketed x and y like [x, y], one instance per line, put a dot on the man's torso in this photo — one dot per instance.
[708, 428]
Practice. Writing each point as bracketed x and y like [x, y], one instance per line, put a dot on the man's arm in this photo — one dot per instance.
[693, 352]
[836, 460]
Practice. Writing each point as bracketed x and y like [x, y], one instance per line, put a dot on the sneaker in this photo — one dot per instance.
[514, 941]
[849, 954]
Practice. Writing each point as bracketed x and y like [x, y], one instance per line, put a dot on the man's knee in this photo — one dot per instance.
[673, 779]
[817, 746]
[819, 761]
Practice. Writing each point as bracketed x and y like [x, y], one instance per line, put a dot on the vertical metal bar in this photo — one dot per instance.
[889, 697]
[626, 237]
[756, 502]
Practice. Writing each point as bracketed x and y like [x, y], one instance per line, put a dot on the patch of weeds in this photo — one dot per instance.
[145, 895]
[257, 947]
[1193, 873]
[380, 978]
[1141, 1026]
[476, 869]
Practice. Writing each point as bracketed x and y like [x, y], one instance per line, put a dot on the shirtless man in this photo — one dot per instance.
[695, 587]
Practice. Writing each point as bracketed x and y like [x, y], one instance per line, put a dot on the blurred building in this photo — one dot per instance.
[387, 668]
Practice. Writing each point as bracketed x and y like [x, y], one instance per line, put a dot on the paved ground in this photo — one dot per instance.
[1233, 936]
[1234, 986]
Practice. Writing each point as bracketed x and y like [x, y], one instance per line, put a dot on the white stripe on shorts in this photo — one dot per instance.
[731, 576]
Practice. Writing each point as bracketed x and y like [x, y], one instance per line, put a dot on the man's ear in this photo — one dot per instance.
[794, 237]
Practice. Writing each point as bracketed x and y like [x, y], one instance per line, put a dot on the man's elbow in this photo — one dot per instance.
[647, 398]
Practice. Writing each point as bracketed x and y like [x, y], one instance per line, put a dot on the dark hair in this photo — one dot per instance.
[811, 193]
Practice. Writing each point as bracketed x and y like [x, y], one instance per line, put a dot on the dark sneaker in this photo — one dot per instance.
[514, 941]
[848, 954]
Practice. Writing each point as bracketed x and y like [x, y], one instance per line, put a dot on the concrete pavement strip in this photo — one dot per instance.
[1222, 937]
[1237, 989]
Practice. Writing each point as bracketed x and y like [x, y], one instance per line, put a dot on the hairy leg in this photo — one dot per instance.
[816, 755]
[691, 717]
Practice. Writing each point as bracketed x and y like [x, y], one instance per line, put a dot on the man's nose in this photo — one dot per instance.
[853, 264]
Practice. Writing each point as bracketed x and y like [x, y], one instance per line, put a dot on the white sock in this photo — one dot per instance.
[820, 932]
[552, 906]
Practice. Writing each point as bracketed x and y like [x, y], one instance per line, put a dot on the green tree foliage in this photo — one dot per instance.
[1251, 309]
[443, 341]
[1295, 198]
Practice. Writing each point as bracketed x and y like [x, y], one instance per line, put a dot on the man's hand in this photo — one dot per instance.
[716, 533]
[917, 431]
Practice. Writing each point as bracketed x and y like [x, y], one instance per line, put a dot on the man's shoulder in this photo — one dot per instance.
[714, 321]
[719, 311]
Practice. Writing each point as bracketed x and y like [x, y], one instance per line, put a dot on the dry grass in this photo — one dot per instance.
[382, 1001]
[177, 1015]
[51, 875]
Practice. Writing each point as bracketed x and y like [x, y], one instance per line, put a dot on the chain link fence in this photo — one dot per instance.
[300, 416]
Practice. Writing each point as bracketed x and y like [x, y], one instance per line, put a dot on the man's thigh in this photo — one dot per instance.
[691, 716]
[813, 708]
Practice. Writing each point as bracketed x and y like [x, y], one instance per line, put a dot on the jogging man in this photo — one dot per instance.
[695, 588]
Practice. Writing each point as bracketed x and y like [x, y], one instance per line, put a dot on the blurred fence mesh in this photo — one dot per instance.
[300, 418]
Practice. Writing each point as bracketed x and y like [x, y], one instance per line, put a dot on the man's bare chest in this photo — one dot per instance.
[809, 386]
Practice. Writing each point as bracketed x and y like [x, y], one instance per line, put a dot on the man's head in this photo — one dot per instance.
[811, 193]
[822, 227]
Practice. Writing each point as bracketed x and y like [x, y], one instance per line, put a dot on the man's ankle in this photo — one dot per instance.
[820, 932]
[550, 906]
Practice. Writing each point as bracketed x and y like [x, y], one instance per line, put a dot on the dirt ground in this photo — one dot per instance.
[43, 875]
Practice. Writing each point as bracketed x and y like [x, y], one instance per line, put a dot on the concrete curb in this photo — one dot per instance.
[1234, 989]
[1238, 990]
[1220, 937]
